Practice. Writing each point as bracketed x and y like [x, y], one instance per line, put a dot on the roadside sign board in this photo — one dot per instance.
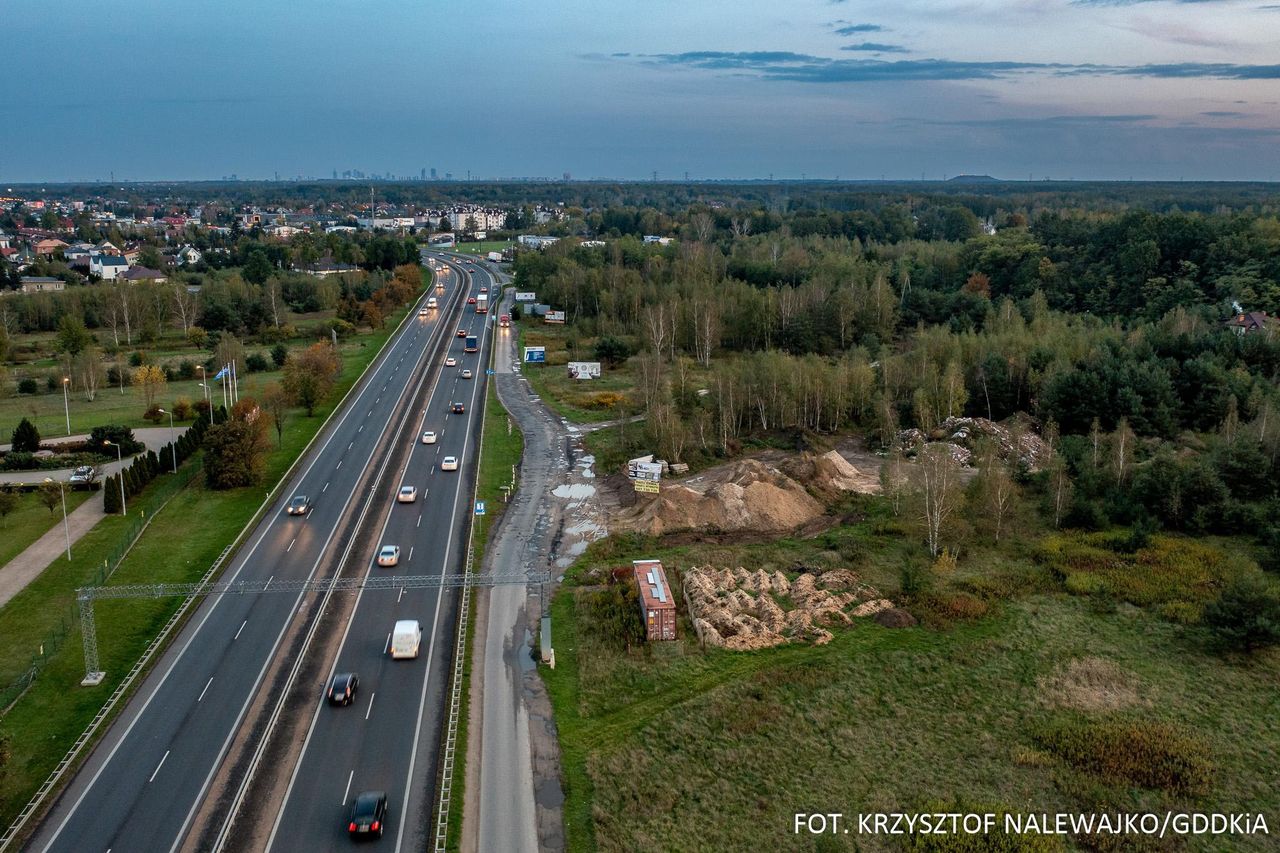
[554, 317]
[649, 486]
[584, 370]
[535, 354]
[644, 471]
[526, 296]
[479, 507]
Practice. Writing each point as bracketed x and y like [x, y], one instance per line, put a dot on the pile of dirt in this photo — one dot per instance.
[748, 496]
[741, 610]
[961, 436]
[895, 618]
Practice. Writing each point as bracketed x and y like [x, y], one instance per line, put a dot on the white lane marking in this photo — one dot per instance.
[290, 548]
[370, 711]
[206, 690]
[339, 465]
[242, 624]
[400, 596]
[419, 524]
[347, 790]
[386, 648]
[325, 489]
[410, 552]
[361, 428]
[158, 766]
[349, 444]
[268, 586]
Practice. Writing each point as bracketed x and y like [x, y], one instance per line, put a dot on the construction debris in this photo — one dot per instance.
[742, 611]
[962, 435]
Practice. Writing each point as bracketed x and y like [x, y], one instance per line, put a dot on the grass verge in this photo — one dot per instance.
[31, 520]
[44, 723]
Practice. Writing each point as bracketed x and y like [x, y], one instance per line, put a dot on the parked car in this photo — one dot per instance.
[84, 474]
[428, 437]
[389, 555]
[407, 494]
[450, 463]
[368, 814]
[300, 505]
[342, 690]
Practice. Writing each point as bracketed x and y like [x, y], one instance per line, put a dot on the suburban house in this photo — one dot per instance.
[535, 241]
[142, 274]
[107, 267]
[189, 255]
[106, 247]
[49, 246]
[41, 284]
[4, 240]
[1251, 322]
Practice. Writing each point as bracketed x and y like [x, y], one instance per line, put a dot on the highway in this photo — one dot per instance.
[141, 787]
[387, 739]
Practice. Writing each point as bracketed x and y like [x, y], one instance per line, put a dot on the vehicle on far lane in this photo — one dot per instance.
[368, 814]
[462, 333]
[342, 690]
[389, 555]
[407, 494]
[450, 463]
[450, 362]
[466, 373]
[405, 639]
[428, 437]
[471, 300]
[458, 409]
[300, 505]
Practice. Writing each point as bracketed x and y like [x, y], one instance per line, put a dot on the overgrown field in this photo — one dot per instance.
[1018, 691]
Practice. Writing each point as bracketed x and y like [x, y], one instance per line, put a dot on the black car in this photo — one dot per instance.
[300, 505]
[342, 690]
[368, 814]
[458, 409]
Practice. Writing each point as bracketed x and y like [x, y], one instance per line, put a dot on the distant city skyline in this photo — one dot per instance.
[721, 89]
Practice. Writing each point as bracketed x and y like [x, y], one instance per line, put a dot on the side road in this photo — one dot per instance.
[27, 566]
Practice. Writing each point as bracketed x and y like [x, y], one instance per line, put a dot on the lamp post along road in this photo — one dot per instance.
[172, 445]
[66, 401]
[124, 509]
[66, 529]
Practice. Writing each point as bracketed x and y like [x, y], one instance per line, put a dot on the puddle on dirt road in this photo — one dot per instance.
[586, 462]
[574, 491]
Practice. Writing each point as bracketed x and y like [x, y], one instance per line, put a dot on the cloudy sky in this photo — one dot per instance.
[173, 89]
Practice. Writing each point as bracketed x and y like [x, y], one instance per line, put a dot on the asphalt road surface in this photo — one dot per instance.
[141, 786]
[387, 740]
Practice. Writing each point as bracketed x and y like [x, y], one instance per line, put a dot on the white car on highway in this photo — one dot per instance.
[450, 362]
[450, 463]
[407, 494]
[466, 373]
[428, 437]
[389, 555]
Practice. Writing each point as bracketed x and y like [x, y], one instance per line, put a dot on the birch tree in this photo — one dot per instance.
[938, 477]
[184, 307]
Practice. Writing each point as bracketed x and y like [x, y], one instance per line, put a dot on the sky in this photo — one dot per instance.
[718, 89]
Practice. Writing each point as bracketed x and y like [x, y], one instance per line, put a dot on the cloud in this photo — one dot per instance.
[876, 47]
[1225, 114]
[806, 68]
[854, 29]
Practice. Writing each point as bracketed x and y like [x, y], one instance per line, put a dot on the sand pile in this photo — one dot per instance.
[742, 610]
[830, 473]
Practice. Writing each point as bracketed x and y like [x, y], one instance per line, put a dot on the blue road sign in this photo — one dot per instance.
[479, 507]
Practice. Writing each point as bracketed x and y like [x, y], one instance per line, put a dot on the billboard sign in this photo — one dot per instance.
[526, 296]
[535, 354]
[650, 486]
[555, 317]
[584, 370]
[648, 471]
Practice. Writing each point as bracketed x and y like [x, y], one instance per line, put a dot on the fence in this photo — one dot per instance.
[162, 491]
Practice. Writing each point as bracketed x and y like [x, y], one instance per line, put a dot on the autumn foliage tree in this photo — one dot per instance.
[309, 375]
[236, 449]
[150, 378]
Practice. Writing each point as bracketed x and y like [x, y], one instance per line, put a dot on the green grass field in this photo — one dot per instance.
[680, 748]
[580, 401]
[48, 718]
[31, 520]
[482, 247]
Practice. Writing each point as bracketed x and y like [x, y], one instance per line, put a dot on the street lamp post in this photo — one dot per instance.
[124, 509]
[66, 529]
[204, 383]
[66, 401]
[172, 447]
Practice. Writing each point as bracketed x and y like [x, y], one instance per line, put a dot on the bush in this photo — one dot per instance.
[137, 358]
[153, 414]
[183, 410]
[28, 386]
[203, 407]
[50, 383]
[1148, 753]
[111, 495]
[279, 355]
[1247, 614]
[26, 438]
[186, 369]
[256, 363]
[115, 375]
[121, 435]
[197, 337]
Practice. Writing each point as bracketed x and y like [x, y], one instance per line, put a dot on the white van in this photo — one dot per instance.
[406, 638]
[431, 302]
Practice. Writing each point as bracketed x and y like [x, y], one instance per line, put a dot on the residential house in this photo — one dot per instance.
[1251, 322]
[107, 267]
[41, 284]
[106, 247]
[189, 255]
[4, 240]
[49, 246]
[142, 274]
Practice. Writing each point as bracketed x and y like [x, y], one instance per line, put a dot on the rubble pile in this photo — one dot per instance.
[742, 611]
[961, 437]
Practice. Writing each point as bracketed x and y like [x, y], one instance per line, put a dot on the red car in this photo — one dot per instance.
[471, 300]
[462, 333]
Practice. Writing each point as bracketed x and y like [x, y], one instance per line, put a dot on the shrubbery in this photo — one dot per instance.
[1148, 753]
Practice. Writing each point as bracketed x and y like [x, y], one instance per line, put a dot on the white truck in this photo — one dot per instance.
[406, 638]
[496, 257]
[482, 303]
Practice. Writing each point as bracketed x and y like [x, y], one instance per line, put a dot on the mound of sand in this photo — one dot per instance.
[741, 610]
[748, 495]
